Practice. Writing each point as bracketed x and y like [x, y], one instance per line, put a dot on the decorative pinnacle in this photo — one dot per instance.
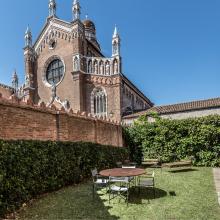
[28, 31]
[14, 75]
[115, 32]
[28, 37]
[76, 9]
[52, 8]
[15, 80]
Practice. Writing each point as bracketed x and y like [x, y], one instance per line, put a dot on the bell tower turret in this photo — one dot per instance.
[15, 81]
[29, 66]
[116, 43]
[76, 10]
[52, 8]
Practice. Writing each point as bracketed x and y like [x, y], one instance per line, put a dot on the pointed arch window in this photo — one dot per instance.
[99, 102]
[101, 68]
[90, 66]
[107, 68]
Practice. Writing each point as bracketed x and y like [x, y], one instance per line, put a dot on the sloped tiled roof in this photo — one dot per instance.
[181, 107]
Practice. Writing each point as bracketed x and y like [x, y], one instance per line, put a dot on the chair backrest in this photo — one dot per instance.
[119, 164]
[94, 172]
[114, 179]
[129, 166]
[148, 175]
[153, 174]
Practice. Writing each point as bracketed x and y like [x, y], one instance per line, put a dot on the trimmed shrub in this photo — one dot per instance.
[30, 168]
[172, 140]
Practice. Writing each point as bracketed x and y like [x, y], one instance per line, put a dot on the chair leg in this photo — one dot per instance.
[93, 191]
[109, 193]
[154, 193]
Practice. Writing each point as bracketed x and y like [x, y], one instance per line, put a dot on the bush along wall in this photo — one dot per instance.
[30, 168]
[173, 140]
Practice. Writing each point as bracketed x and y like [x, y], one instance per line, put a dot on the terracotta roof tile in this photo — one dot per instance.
[181, 107]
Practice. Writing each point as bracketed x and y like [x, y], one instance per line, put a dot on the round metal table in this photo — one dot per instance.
[123, 172]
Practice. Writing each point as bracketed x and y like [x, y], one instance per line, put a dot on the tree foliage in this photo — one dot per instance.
[173, 140]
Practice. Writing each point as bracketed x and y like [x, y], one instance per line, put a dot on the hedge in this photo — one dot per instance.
[172, 140]
[30, 168]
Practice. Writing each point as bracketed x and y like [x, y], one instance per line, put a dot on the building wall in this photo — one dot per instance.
[193, 114]
[132, 101]
[180, 115]
[19, 121]
[63, 50]
[111, 85]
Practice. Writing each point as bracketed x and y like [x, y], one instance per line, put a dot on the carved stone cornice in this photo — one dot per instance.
[104, 80]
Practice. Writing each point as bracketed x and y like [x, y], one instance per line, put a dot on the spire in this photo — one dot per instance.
[15, 81]
[52, 8]
[116, 43]
[115, 32]
[76, 10]
[28, 37]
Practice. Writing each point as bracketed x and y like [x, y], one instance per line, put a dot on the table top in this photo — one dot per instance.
[123, 172]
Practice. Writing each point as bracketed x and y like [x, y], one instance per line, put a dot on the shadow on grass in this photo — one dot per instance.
[147, 193]
[182, 170]
[75, 202]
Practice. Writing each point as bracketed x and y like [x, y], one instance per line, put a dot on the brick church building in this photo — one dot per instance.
[65, 67]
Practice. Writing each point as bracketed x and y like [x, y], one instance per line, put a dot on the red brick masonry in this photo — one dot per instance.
[24, 121]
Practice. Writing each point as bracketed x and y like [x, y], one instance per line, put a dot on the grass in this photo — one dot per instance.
[182, 195]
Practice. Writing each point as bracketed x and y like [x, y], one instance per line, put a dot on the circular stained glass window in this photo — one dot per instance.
[55, 72]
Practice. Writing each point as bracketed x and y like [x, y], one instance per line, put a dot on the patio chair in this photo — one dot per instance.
[119, 164]
[129, 166]
[148, 181]
[131, 178]
[98, 181]
[119, 187]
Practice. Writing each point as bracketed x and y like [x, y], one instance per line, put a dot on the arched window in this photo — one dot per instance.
[107, 68]
[55, 72]
[90, 66]
[115, 67]
[95, 67]
[99, 101]
[101, 68]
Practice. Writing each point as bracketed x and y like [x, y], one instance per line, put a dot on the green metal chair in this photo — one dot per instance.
[119, 187]
[147, 181]
[98, 181]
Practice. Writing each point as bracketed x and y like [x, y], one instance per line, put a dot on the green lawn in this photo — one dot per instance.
[189, 195]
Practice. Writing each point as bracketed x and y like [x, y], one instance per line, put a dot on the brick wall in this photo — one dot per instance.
[20, 121]
[6, 93]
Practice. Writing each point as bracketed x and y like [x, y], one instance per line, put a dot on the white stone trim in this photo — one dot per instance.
[47, 63]
[104, 60]
[52, 24]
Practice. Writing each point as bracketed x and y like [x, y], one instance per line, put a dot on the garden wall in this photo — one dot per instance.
[24, 121]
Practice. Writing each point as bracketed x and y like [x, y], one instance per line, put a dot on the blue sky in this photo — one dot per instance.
[170, 48]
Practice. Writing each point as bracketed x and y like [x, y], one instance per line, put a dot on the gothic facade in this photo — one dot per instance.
[65, 67]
